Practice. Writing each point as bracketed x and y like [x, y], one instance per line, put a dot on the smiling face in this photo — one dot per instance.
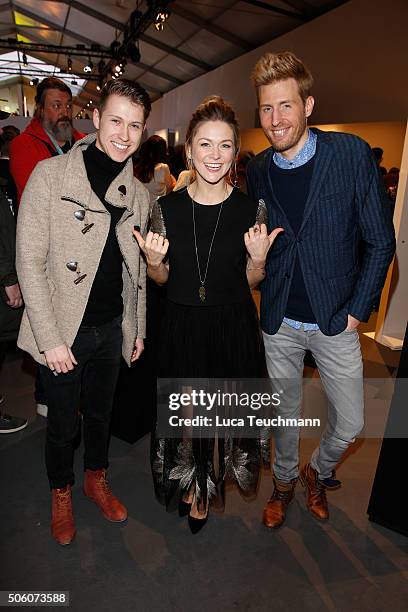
[283, 115]
[212, 150]
[120, 127]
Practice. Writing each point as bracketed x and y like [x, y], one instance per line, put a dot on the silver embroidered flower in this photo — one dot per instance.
[185, 469]
[211, 489]
[235, 462]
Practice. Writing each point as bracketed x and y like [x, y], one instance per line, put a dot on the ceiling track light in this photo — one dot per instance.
[89, 66]
[160, 20]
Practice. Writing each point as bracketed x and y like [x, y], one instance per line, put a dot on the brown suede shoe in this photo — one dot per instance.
[275, 510]
[97, 489]
[62, 521]
[315, 491]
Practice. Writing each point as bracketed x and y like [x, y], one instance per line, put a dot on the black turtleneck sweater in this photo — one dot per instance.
[105, 300]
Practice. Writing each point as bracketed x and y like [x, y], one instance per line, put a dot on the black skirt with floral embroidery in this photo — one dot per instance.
[220, 342]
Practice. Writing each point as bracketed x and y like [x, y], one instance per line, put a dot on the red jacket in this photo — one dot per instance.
[27, 149]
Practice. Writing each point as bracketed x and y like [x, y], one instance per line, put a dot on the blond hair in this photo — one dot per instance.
[274, 67]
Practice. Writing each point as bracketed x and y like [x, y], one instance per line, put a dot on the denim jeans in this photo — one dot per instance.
[340, 366]
[90, 385]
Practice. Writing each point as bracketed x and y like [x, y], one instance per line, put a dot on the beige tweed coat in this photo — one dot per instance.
[51, 233]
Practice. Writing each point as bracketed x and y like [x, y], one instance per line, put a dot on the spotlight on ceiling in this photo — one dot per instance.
[89, 66]
[69, 64]
[160, 20]
[25, 62]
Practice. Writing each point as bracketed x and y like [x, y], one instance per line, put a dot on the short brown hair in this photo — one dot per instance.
[273, 67]
[127, 89]
[213, 108]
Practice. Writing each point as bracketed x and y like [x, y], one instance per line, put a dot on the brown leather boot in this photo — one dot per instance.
[62, 521]
[315, 491]
[275, 510]
[97, 489]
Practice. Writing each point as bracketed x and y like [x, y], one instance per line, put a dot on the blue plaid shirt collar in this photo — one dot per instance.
[305, 154]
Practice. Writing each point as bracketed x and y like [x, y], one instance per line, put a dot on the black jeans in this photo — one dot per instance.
[92, 383]
[39, 392]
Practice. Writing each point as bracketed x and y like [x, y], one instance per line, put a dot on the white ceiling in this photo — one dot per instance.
[198, 36]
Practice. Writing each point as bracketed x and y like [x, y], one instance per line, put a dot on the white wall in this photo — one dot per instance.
[8, 98]
[392, 315]
[358, 55]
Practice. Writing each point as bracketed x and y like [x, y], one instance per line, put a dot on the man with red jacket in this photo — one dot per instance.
[50, 132]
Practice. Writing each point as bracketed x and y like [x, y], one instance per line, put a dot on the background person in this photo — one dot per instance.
[49, 133]
[10, 302]
[7, 135]
[151, 168]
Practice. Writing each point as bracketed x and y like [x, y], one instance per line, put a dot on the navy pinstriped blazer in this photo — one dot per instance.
[346, 240]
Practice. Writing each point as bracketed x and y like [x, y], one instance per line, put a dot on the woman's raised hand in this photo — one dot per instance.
[258, 242]
[154, 247]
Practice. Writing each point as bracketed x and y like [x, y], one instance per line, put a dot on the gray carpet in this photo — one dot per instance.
[153, 562]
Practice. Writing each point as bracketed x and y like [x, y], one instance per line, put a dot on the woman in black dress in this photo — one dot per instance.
[209, 243]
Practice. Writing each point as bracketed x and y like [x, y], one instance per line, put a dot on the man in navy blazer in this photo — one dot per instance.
[323, 275]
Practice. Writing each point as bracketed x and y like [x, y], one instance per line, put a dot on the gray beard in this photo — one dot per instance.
[62, 130]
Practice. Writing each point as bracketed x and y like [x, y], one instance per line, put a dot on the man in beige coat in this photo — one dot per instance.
[83, 282]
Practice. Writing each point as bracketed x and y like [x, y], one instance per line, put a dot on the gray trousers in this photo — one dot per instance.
[340, 365]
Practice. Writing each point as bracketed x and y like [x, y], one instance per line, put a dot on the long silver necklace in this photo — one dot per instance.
[202, 291]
